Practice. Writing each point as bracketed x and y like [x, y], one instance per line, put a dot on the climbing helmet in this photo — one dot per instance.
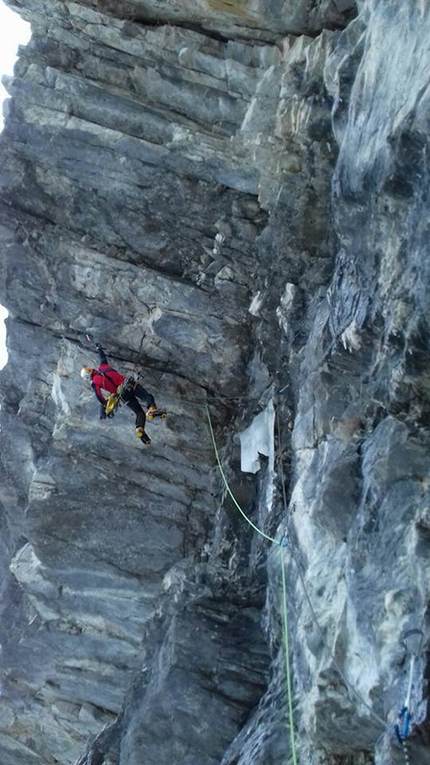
[86, 373]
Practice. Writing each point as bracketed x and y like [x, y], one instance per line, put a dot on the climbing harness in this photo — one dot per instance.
[412, 641]
[129, 385]
[114, 399]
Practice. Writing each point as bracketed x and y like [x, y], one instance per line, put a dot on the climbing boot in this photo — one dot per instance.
[154, 412]
[140, 433]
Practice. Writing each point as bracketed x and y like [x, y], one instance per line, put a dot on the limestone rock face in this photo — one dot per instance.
[232, 199]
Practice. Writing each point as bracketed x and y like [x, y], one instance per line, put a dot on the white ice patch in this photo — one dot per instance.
[258, 439]
[256, 304]
[285, 309]
[351, 338]
[58, 395]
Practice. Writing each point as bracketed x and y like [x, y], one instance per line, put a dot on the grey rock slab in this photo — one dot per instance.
[204, 693]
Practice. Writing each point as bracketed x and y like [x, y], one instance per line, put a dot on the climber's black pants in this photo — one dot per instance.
[130, 398]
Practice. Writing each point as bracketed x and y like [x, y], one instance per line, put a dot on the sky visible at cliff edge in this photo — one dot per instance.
[13, 32]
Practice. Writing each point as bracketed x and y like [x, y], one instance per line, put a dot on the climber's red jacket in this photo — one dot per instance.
[106, 378]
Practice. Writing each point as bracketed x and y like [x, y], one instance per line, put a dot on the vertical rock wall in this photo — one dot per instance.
[231, 197]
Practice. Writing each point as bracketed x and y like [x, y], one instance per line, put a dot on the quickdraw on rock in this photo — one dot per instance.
[412, 641]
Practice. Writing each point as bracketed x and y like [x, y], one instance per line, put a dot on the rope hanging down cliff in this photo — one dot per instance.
[283, 542]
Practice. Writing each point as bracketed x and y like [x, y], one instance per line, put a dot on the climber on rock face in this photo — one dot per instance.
[121, 388]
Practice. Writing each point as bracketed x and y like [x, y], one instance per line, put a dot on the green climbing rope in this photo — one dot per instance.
[287, 659]
[284, 594]
[226, 484]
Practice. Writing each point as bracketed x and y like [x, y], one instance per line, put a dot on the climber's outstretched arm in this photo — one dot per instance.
[102, 355]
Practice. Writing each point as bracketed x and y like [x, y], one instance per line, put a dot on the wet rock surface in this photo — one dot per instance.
[232, 199]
